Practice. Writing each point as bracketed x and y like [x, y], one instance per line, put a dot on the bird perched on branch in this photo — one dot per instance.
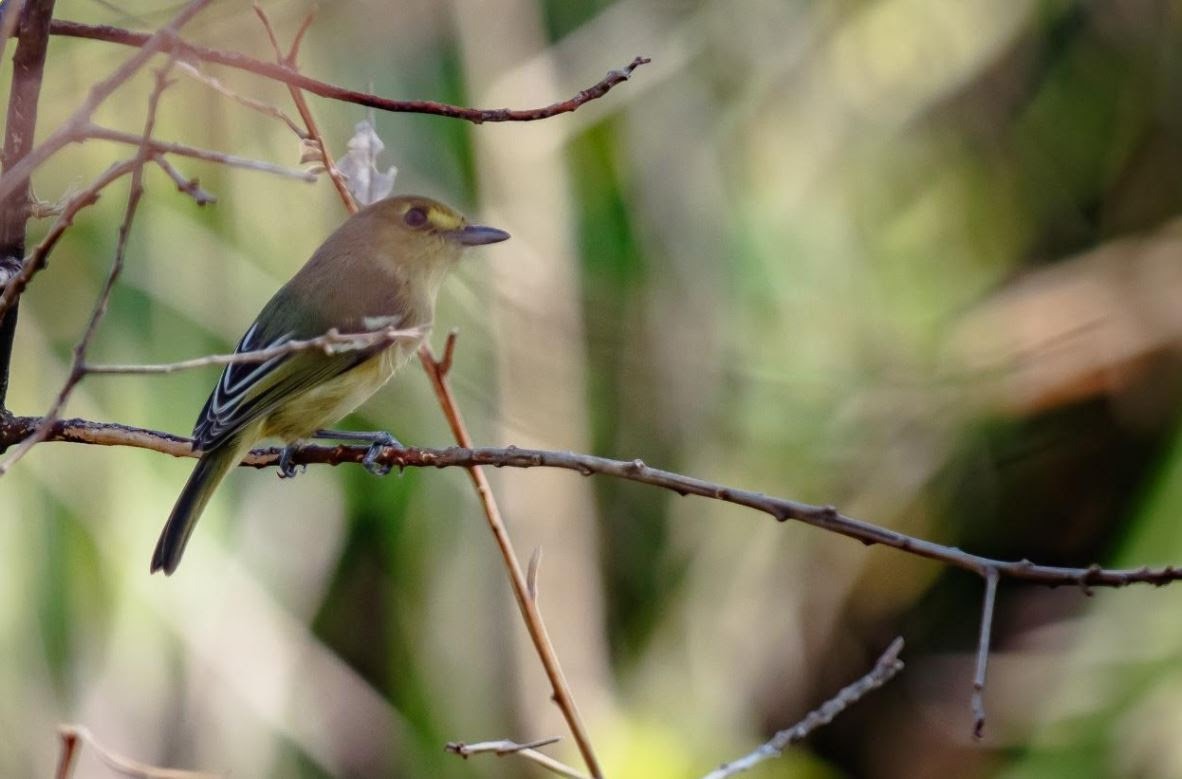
[381, 269]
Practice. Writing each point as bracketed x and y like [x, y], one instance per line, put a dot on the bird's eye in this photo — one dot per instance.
[415, 217]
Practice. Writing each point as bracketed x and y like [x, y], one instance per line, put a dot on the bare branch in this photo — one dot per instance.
[332, 342]
[505, 747]
[164, 147]
[13, 429]
[67, 131]
[331, 91]
[301, 104]
[73, 736]
[35, 260]
[883, 671]
[251, 103]
[528, 606]
[983, 640]
[187, 185]
[78, 368]
[28, 66]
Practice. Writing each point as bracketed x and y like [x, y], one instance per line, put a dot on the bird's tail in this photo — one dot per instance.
[211, 469]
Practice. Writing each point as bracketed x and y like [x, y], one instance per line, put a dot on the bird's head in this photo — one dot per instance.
[420, 234]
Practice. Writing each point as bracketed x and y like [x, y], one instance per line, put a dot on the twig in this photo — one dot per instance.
[165, 147]
[331, 342]
[883, 671]
[74, 736]
[978, 702]
[531, 574]
[35, 260]
[532, 617]
[333, 92]
[189, 186]
[28, 66]
[506, 747]
[78, 368]
[66, 132]
[13, 429]
[250, 102]
[301, 104]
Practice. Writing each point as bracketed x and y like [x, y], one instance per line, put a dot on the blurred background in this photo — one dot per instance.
[916, 258]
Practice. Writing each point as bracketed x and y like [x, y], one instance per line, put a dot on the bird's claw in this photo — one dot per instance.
[288, 469]
[370, 461]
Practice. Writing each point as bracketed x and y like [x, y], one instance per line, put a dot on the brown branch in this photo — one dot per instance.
[505, 747]
[301, 104]
[74, 736]
[13, 429]
[32, 264]
[255, 105]
[67, 131]
[28, 65]
[883, 671]
[528, 605]
[190, 187]
[135, 193]
[977, 703]
[333, 92]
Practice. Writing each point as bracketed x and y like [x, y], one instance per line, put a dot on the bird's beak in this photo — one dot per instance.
[478, 235]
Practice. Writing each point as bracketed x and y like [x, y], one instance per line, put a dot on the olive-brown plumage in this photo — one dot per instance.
[382, 268]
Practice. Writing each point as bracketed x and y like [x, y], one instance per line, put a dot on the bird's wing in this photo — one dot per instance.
[247, 391]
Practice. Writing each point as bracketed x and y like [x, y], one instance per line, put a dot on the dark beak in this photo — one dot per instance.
[479, 235]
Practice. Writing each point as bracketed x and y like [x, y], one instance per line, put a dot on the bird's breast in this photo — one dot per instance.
[324, 405]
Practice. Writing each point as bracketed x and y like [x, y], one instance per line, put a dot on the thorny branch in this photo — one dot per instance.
[883, 671]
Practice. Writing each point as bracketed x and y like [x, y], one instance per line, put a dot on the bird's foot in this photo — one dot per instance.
[288, 469]
[378, 441]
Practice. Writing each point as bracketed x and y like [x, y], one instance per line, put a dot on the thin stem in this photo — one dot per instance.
[983, 641]
[883, 671]
[517, 578]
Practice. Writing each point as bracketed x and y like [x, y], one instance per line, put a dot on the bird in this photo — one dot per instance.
[382, 268]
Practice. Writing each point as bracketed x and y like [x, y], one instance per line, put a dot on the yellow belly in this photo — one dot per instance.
[321, 407]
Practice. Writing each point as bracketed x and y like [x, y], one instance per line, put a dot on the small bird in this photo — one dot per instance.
[381, 269]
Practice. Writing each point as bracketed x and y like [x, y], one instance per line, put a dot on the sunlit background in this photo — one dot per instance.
[916, 258]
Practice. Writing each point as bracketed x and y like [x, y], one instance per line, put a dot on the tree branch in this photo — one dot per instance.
[67, 131]
[28, 66]
[977, 703]
[135, 193]
[13, 429]
[293, 78]
[883, 671]
[528, 605]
